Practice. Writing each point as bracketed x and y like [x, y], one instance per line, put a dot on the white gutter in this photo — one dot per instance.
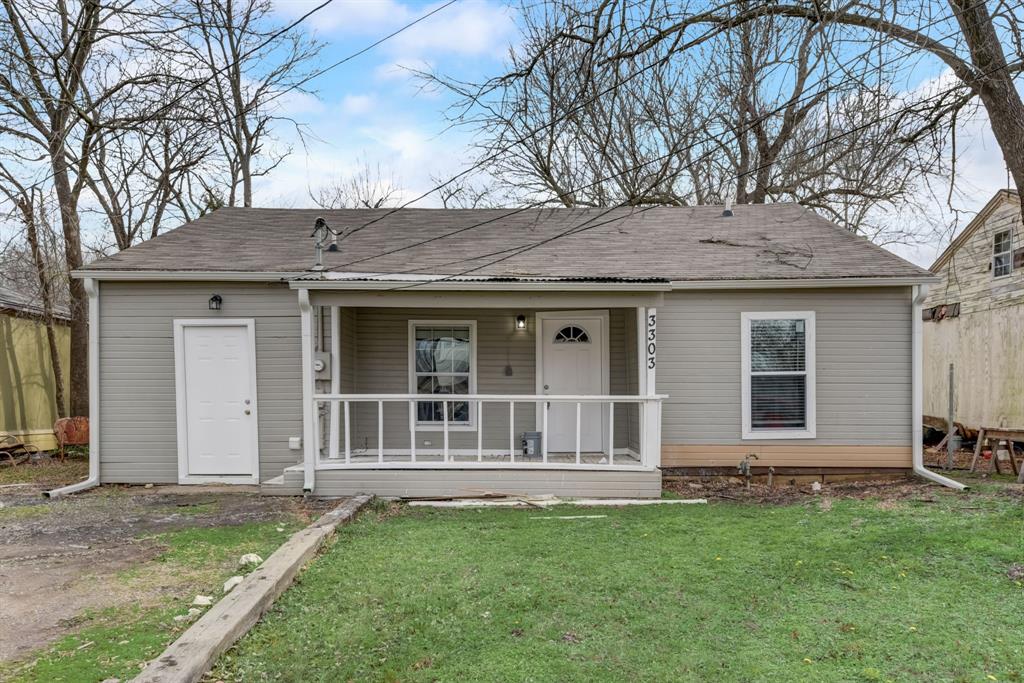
[464, 285]
[92, 289]
[802, 283]
[186, 275]
[917, 428]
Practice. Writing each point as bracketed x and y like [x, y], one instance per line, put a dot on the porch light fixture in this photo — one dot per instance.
[520, 322]
[215, 302]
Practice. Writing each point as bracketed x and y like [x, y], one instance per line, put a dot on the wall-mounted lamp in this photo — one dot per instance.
[215, 302]
[520, 322]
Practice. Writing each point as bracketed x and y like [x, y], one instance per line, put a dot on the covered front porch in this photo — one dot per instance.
[478, 386]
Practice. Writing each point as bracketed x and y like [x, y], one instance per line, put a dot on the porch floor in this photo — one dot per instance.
[554, 458]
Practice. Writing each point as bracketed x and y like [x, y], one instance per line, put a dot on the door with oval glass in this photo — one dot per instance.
[574, 361]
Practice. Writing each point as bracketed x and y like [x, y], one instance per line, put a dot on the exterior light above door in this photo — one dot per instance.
[215, 302]
[520, 322]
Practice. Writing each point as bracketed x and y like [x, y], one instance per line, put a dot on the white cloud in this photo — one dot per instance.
[467, 28]
[358, 104]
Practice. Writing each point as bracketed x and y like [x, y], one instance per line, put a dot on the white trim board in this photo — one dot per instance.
[810, 431]
[180, 400]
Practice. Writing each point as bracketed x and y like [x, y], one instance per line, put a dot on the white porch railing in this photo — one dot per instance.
[337, 452]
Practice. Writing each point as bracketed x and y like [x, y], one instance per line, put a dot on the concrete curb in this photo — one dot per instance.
[194, 652]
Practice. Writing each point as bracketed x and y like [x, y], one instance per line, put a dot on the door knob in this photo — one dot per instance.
[546, 387]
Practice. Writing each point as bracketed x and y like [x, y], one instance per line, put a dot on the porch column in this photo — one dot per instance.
[309, 436]
[650, 427]
[335, 380]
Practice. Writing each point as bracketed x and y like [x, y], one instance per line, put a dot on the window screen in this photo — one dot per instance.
[778, 374]
[443, 366]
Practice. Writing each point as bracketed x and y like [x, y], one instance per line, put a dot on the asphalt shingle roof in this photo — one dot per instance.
[770, 241]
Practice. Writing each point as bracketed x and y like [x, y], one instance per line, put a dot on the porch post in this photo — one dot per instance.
[650, 441]
[332, 448]
[309, 437]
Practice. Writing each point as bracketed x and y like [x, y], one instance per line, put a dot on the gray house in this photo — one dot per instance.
[573, 352]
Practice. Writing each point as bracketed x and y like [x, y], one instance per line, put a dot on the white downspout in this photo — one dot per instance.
[93, 291]
[309, 431]
[918, 297]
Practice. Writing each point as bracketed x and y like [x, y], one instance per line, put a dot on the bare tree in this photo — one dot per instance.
[469, 193]
[150, 171]
[981, 47]
[60, 64]
[765, 112]
[30, 208]
[248, 62]
[368, 188]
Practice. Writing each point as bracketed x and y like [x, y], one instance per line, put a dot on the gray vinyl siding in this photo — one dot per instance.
[381, 350]
[138, 434]
[863, 364]
[400, 483]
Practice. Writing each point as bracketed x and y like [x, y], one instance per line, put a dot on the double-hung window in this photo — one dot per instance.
[442, 360]
[778, 375]
[1002, 253]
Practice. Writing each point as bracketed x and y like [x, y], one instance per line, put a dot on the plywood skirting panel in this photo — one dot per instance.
[785, 455]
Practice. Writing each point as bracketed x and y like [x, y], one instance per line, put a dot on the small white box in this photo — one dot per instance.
[295, 443]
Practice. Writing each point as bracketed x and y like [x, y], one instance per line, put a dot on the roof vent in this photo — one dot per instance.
[728, 208]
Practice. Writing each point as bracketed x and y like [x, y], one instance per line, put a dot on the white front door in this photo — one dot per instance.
[574, 362]
[216, 400]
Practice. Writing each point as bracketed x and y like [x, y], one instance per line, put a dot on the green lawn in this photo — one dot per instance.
[115, 642]
[846, 590]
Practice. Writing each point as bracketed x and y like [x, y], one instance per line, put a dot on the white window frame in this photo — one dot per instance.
[439, 426]
[1008, 253]
[809, 371]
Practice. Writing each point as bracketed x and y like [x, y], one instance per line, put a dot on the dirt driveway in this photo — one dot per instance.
[60, 558]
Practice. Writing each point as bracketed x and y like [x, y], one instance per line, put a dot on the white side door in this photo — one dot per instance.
[217, 421]
[574, 359]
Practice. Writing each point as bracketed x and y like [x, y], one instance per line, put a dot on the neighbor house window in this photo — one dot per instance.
[1002, 253]
[442, 360]
[778, 375]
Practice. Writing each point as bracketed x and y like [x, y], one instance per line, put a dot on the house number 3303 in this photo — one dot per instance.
[652, 339]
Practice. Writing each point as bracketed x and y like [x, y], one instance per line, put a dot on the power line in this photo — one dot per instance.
[604, 179]
[583, 228]
[699, 40]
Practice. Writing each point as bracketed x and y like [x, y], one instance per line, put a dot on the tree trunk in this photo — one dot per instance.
[79, 389]
[994, 84]
[46, 291]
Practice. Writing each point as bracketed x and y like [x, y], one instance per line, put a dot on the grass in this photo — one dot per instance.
[113, 643]
[851, 590]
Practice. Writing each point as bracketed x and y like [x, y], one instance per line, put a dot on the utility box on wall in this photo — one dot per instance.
[531, 444]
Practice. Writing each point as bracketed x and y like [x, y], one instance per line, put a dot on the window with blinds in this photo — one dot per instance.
[778, 375]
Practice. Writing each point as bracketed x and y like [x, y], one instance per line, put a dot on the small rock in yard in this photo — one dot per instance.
[280, 528]
[249, 558]
[816, 486]
[231, 583]
[203, 600]
[148, 486]
[1015, 572]
[192, 614]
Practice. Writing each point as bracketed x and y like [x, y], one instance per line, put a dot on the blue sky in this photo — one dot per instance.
[372, 109]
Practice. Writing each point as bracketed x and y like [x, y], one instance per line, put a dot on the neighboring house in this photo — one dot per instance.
[433, 343]
[974, 319]
[28, 403]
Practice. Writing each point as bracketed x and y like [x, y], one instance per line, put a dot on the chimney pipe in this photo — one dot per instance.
[728, 208]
